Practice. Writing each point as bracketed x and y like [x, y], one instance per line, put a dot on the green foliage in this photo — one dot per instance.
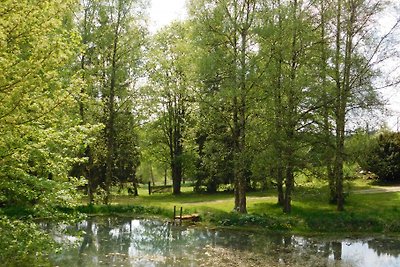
[359, 146]
[24, 244]
[215, 164]
[383, 158]
[169, 101]
[346, 222]
[241, 91]
[267, 222]
[113, 35]
[40, 131]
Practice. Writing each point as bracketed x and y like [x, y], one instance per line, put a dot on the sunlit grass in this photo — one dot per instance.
[311, 212]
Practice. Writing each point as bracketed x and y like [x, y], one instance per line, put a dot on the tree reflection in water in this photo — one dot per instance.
[117, 241]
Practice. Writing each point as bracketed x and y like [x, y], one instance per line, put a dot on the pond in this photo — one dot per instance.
[118, 241]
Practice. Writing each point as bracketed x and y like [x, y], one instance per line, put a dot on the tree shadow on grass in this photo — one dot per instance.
[321, 217]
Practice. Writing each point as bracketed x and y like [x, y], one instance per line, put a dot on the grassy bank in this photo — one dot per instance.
[365, 212]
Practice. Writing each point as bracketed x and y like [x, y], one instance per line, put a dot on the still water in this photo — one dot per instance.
[115, 241]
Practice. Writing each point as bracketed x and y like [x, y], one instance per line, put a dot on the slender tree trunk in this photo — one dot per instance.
[289, 183]
[91, 184]
[279, 115]
[342, 94]
[343, 88]
[242, 126]
[278, 135]
[152, 175]
[88, 166]
[327, 131]
[339, 160]
[165, 176]
[279, 180]
[177, 152]
[110, 127]
[236, 153]
[176, 175]
[290, 119]
[135, 186]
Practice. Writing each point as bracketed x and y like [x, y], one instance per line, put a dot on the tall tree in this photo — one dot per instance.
[227, 31]
[40, 131]
[359, 51]
[325, 50]
[113, 34]
[39, 128]
[172, 90]
[288, 83]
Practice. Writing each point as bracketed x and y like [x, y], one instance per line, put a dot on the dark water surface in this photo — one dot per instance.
[115, 241]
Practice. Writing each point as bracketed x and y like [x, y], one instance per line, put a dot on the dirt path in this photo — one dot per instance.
[228, 200]
[381, 189]
[376, 190]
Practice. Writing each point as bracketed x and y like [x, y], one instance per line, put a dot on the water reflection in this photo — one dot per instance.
[118, 241]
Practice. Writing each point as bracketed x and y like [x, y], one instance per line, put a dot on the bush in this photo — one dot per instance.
[384, 157]
[243, 220]
[23, 243]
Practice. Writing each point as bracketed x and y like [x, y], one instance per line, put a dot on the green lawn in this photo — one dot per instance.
[372, 212]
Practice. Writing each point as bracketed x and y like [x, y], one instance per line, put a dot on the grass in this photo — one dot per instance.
[311, 212]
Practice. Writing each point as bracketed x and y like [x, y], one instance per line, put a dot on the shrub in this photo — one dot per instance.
[384, 157]
[23, 243]
[266, 221]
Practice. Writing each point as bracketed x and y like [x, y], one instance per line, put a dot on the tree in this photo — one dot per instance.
[226, 30]
[383, 157]
[113, 35]
[291, 97]
[171, 92]
[358, 54]
[40, 130]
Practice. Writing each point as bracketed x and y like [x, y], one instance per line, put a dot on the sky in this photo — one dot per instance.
[162, 12]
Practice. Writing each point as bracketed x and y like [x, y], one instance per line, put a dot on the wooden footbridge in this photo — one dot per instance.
[189, 217]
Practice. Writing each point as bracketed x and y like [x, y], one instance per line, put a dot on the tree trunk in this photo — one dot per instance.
[339, 164]
[110, 127]
[135, 187]
[289, 183]
[242, 183]
[236, 157]
[290, 119]
[176, 176]
[89, 166]
[177, 157]
[343, 90]
[152, 176]
[327, 131]
[279, 180]
[165, 176]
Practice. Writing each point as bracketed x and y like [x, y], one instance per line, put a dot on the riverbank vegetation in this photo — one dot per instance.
[275, 103]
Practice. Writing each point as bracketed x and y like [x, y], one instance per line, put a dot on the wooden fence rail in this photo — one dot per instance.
[159, 188]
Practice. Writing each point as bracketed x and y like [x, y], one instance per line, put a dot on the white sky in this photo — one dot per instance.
[162, 12]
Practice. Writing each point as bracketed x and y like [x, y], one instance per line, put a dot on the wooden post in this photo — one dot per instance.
[180, 217]
[149, 188]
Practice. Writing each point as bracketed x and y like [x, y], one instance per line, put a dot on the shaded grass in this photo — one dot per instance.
[119, 209]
